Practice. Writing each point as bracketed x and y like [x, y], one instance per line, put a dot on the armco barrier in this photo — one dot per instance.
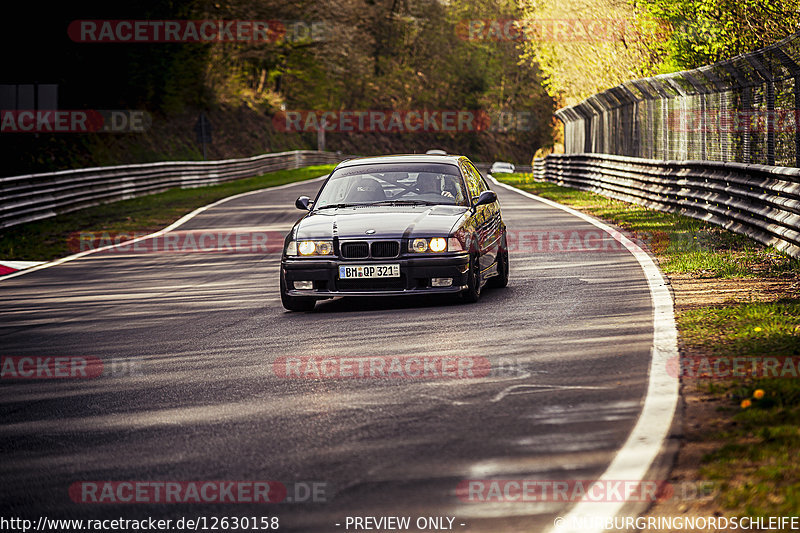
[38, 196]
[762, 202]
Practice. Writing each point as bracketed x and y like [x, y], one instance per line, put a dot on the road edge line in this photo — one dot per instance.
[649, 436]
[181, 221]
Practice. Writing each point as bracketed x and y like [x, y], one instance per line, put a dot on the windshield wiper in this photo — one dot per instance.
[336, 206]
[404, 202]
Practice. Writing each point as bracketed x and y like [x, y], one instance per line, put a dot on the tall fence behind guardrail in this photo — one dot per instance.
[38, 196]
[740, 110]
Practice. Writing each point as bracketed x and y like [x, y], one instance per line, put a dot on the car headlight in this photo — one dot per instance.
[419, 245]
[438, 245]
[308, 248]
[435, 245]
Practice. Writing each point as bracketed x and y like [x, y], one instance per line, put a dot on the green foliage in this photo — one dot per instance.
[706, 31]
[348, 55]
[757, 465]
[747, 329]
[657, 36]
[604, 43]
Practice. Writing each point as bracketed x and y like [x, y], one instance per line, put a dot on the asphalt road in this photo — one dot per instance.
[191, 338]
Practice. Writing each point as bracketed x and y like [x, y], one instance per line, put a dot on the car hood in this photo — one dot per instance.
[391, 222]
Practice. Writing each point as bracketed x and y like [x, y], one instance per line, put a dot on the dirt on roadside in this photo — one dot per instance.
[696, 293]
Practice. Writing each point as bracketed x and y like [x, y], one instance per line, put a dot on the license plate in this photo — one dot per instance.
[369, 271]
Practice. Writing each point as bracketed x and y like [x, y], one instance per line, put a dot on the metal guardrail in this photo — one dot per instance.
[762, 202]
[39, 196]
[745, 109]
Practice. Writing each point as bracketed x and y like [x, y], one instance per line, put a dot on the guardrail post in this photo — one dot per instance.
[770, 122]
[587, 135]
[747, 107]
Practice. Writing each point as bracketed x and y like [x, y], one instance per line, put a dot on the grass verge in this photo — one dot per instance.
[749, 440]
[45, 240]
[753, 462]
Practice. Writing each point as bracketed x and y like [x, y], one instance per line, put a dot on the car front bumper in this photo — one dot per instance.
[415, 276]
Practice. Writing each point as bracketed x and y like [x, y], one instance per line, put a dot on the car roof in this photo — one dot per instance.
[402, 158]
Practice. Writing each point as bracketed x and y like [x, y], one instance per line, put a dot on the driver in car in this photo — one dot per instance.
[429, 184]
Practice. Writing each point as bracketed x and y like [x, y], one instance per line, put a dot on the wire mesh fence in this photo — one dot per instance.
[742, 110]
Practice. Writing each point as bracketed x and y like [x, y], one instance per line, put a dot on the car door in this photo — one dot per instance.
[486, 218]
[494, 223]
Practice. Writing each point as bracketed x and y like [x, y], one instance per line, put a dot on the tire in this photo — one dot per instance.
[296, 303]
[501, 279]
[473, 290]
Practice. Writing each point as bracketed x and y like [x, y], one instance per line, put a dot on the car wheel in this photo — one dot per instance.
[501, 279]
[473, 290]
[296, 303]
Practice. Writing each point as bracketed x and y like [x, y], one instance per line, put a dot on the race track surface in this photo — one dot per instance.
[189, 390]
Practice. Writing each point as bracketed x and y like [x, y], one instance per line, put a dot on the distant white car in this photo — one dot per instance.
[436, 152]
[498, 167]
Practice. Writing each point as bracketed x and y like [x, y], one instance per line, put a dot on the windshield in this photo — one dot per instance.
[395, 183]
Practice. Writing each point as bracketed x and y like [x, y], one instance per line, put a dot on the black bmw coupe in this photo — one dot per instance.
[396, 225]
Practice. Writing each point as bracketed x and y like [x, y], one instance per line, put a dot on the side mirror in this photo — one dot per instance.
[486, 197]
[303, 203]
